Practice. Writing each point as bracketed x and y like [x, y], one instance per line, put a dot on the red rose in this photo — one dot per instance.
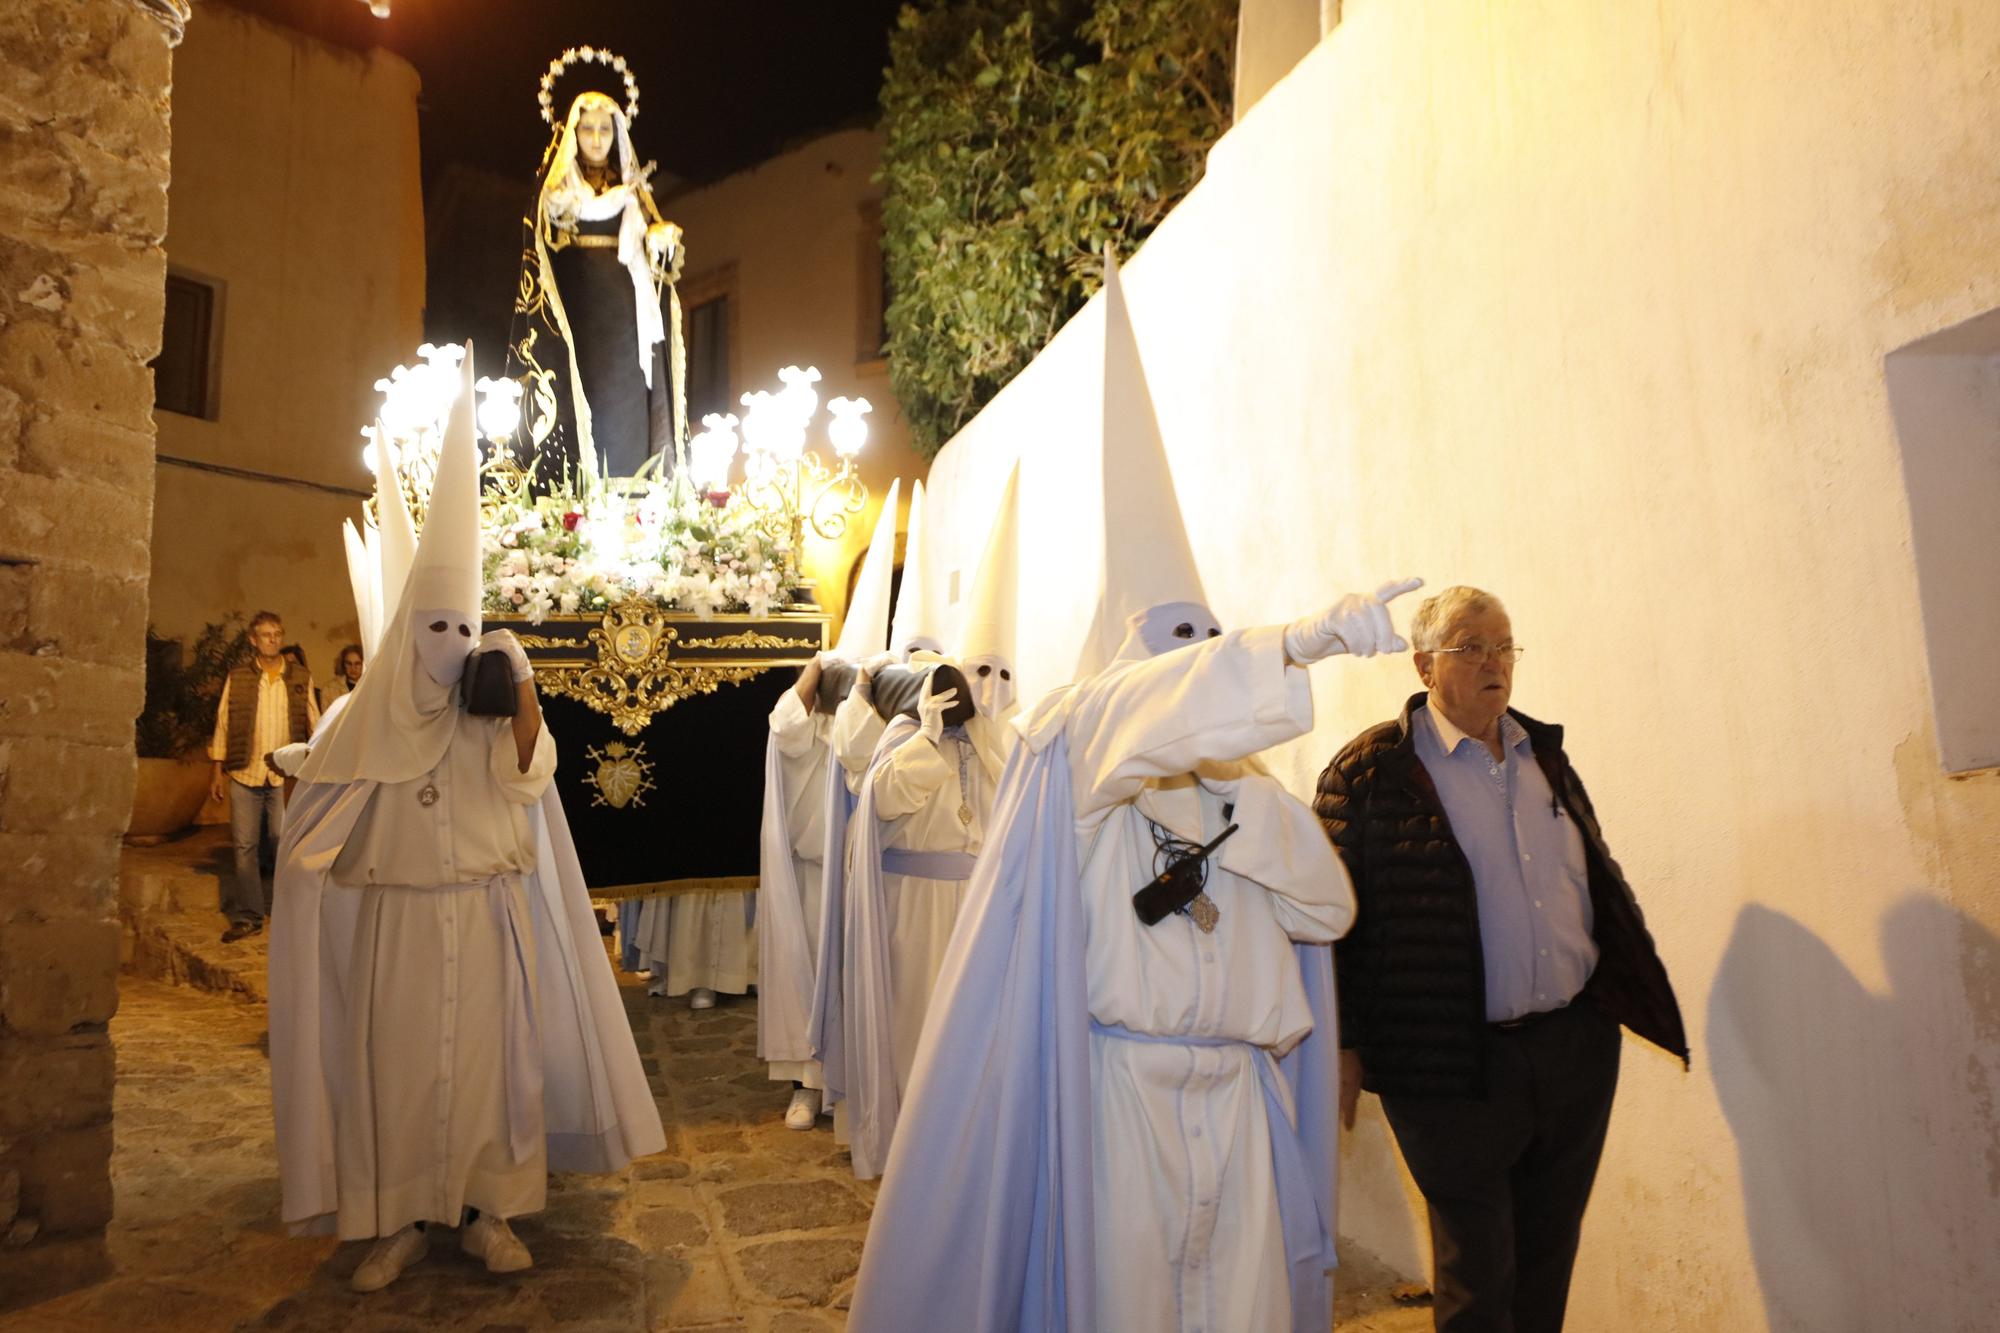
[570, 520]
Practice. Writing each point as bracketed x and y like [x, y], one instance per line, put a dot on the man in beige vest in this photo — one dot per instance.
[267, 702]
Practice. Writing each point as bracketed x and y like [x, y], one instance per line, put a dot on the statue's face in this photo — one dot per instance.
[596, 131]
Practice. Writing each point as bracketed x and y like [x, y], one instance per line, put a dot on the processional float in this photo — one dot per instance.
[654, 577]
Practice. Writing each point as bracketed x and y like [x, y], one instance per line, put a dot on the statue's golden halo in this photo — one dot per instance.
[583, 56]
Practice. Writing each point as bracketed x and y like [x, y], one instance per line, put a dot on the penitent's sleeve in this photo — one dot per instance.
[856, 729]
[908, 777]
[792, 726]
[1215, 702]
[505, 764]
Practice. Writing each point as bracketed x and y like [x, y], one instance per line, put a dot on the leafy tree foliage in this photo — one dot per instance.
[1020, 137]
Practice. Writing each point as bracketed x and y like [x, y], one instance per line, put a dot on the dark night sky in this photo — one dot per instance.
[723, 83]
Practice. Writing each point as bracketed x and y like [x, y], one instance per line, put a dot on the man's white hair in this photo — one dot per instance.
[1436, 617]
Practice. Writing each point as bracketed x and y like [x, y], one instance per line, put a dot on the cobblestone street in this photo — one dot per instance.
[741, 1224]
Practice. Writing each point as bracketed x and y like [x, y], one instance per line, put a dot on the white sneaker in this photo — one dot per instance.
[391, 1255]
[701, 997]
[804, 1109]
[657, 986]
[491, 1239]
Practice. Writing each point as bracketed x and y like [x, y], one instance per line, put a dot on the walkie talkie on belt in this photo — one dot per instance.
[1176, 888]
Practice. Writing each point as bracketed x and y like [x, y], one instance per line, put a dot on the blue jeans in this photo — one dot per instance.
[244, 899]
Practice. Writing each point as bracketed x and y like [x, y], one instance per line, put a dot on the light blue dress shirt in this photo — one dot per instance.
[1527, 862]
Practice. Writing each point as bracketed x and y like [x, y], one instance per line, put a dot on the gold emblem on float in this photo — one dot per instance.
[634, 663]
[624, 775]
[634, 643]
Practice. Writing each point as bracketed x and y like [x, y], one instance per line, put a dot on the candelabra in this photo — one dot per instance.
[792, 488]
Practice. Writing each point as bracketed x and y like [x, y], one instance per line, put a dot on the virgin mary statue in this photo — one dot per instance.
[597, 328]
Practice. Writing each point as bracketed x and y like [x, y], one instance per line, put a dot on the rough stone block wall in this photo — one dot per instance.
[84, 145]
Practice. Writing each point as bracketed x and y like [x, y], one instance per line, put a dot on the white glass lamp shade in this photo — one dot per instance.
[712, 450]
[499, 408]
[799, 396]
[849, 429]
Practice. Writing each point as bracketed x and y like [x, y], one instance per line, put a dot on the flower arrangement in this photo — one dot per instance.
[664, 541]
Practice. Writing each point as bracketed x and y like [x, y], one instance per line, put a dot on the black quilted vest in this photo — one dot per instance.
[1412, 972]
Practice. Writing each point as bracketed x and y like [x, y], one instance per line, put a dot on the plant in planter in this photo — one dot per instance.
[183, 690]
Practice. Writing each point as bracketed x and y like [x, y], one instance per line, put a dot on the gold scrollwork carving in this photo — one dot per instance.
[544, 641]
[747, 639]
[634, 676]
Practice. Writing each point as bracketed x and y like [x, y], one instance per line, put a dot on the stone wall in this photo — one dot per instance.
[83, 207]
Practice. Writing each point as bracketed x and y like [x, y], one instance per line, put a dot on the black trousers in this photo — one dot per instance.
[1506, 1177]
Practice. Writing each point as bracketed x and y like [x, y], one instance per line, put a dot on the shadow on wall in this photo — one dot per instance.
[1865, 1124]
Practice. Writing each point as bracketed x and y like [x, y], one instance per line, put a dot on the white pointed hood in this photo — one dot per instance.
[398, 549]
[986, 636]
[400, 719]
[1151, 587]
[361, 576]
[918, 623]
[865, 631]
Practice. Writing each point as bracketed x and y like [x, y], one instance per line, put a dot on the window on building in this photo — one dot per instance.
[709, 315]
[872, 304]
[185, 371]
[708, 358]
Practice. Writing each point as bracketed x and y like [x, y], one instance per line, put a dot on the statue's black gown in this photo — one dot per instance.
[630, 422]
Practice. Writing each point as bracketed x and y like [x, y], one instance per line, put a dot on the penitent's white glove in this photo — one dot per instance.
[503, 641]
[1357, 624]
[932, 707]
[288, 759]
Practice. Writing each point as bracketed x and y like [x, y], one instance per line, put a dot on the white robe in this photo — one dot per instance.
[801, 738]
[918, 799]
[393, 1095]
[699, 941]
[857, 729]
[1188, 1234]
[443, 958]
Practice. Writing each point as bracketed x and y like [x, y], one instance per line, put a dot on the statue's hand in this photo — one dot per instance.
[663, 239]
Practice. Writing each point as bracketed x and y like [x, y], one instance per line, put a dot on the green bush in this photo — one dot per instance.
[182, 694]
[1020, 137]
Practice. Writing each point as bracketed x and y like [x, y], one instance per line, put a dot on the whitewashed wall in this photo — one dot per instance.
[1588, 304]
[296, 187]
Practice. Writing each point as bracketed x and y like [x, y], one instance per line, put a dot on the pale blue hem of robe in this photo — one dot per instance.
[867, 995]
[824, 1028]
[784, 957]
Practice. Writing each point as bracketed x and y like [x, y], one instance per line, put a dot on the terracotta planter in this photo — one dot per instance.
[170, 792]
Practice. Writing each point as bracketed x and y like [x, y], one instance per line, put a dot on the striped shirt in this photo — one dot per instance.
[272, 729]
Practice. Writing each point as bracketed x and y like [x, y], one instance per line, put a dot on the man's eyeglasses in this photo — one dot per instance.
[1486, 652]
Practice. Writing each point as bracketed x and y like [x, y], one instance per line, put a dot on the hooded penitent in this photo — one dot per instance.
[577, 1055]
[919, 624]
[864, 633]
[986, 641]
[794, 783]
[1151, 600]
[1055, 1071]
[405, 709]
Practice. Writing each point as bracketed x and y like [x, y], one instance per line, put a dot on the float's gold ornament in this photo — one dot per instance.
[634, 663]
[623, 776]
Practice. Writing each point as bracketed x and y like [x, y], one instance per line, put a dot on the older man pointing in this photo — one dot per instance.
[1495, 952]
